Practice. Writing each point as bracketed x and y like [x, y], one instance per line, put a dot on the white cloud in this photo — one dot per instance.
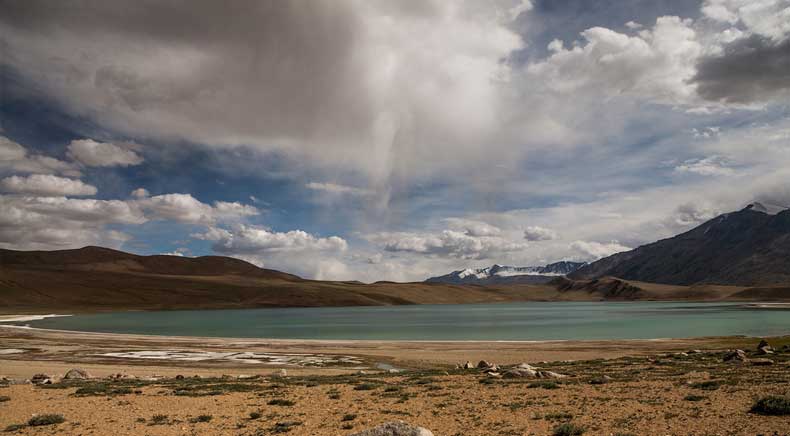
[447, 243]
[187, 209]
[767, 18]
[656, 64]
[337, 189]
[537, 233]
[591, 250]
[102, 154]
[46, 185]
[140, 193]
[473, 227]
[709, 166]
[14, 158]
[58, 222]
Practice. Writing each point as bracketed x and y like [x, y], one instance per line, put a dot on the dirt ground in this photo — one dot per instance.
[649, 388]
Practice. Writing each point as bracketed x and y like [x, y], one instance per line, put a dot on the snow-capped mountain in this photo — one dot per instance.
[500, 274]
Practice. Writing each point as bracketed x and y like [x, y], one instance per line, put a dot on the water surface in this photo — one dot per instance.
[512, 321]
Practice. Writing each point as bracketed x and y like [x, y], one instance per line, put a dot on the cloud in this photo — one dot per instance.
[137, 72]
[58, 222]
[473, 227]
[591, 250]
[140, 193]
[766, 18]
[691, 214]
[336, 189]
[102, 154]
[15, 158]
[537, 233]
[447, 243]
[187, 209]
[655, 64]
[296, 251]
[748, 70]
[709, 166]
[46, 185]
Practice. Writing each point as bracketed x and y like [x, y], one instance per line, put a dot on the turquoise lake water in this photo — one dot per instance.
[514, 321]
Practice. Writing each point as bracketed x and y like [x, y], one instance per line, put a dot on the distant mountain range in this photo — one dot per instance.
[499, 274]
[748, 247]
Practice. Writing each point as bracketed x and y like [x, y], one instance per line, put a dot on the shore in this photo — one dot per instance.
[26, 351]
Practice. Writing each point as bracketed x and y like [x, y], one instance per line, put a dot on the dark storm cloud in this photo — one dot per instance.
[750, 70]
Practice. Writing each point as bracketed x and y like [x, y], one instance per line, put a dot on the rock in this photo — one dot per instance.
[524, 366]
[396, 371]
[396, 428]
[761, 361]
[179, 377]
[736, 356]
[550, 374]
[520, 373]
[694, 352]
[41, 379]
[280, 373]
[76, 374]
[492, 368]
[483, 364]
[467, 365]
[764, 348]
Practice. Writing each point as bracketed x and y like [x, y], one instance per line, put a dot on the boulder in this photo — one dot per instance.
[492, 368]
[280, 373]
[550, 374]
[764, 348]
[467, 365]
[694, 352]
[483, 364]
[736, 356]
[395, 428]
[76, 374]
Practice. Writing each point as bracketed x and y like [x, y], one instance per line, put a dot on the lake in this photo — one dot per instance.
[530, 321]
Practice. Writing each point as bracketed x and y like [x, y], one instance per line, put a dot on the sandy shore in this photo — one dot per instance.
[25, 351]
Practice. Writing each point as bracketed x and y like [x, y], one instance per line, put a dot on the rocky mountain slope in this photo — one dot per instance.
[748, 247]
[499, 274]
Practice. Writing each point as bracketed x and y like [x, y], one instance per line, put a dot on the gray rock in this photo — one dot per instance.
[483, 364]
[550, 374]
[76, 374]
[41, 379]
[468, 365]
[396, 428]
[520, 373]
[280, 373]
[736, 356]
[761, 361]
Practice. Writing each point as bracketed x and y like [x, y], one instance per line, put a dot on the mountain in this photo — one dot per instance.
[499, 274]
[750, 247]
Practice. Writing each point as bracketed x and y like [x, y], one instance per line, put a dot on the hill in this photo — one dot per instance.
[99, 279]
[747, 248]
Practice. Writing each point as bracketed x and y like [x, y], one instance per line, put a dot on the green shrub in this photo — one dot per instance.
[255, 415]
[158, 419]
[46, 419]
[349, 417]
[280, 402]
[203, 418]
[692, 397]
[544, 384]
[15, 427]
[4, 398]
[365, 387]
[568, 429]
[772, 405]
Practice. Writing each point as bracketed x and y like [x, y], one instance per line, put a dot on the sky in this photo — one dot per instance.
[387, 140]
